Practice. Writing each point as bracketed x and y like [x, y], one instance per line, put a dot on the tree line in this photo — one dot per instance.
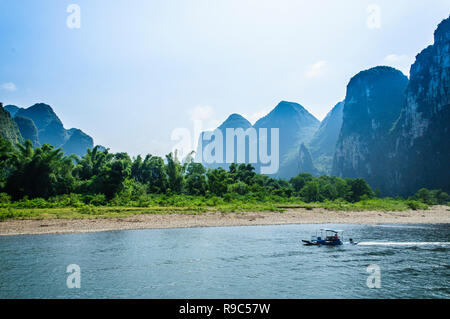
[44, 172]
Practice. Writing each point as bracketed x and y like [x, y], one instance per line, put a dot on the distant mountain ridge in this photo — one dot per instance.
[234, 121]
[296, 127]
[390, 130]
[41, 125]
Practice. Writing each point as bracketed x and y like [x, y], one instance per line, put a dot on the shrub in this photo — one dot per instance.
[68, 200]
[5, 199]
[239, 188]
[415, 205]
[5, 214]
[424, 195]
[33, 203]
[431, 197]
[87, 210]
[440, 197]
[96, 200]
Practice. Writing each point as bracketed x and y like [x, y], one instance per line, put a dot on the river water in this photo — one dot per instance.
[230, 262]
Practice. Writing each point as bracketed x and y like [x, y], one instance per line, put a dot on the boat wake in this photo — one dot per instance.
[394, 243]
[401, 226]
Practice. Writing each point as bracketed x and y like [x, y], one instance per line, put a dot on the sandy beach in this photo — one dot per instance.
[435, 215]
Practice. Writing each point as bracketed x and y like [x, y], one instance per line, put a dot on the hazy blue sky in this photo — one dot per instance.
[136, 70]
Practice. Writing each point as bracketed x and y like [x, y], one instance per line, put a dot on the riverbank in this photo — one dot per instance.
[434, 215]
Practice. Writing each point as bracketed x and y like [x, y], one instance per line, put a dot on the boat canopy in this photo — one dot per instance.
[332, 230]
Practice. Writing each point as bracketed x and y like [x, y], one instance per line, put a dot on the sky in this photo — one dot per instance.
[130, 73]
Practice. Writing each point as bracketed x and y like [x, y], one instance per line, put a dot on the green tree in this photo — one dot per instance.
[239, 187]
[431, 197]
[154, 174]
[300, 181]
[136, 169]
[112, 177]
[195, 179]
[442, 198]
[343, 189]
[311, 192]
[327, 188]
[174, 173]
[218, 181]
[359, 188]
[40, 172]
[242, 173]
[6, 154]
[92, 163]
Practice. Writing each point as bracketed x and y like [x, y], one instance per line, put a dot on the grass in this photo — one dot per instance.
[376, 204]
[90, 212]
[196, 206]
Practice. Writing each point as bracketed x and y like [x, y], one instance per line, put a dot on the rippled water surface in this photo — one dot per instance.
[229, 262]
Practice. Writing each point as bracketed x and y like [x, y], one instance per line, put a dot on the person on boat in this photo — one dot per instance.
[351, 240]
[336, 236]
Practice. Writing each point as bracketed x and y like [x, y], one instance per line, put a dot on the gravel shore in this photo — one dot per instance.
[435, 215]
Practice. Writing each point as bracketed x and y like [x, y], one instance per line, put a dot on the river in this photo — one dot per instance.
[410, 261]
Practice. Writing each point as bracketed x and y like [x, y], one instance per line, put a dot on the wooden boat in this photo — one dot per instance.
[327, 237]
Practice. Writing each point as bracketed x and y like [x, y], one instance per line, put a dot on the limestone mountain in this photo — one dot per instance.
[78, 142]
[27, 129]
[50, 129]
[234, 121]
[305, 162]
[296, 126]
[373, 102]
[8, 128]
[395, 132]
[421, 137]
[12, 109]
[323, 143]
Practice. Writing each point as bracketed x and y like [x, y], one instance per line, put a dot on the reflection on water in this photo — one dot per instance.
[229, 262]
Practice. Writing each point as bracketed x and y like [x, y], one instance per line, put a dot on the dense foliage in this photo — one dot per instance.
[45, 177]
